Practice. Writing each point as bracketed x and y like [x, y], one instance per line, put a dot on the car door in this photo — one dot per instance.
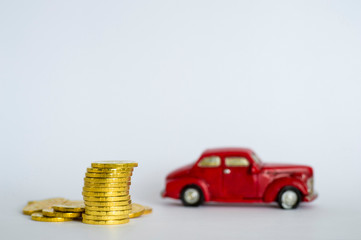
[238, 181]
[210, 171]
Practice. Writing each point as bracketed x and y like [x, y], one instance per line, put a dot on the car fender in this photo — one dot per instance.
[273, 189]
[175, 187]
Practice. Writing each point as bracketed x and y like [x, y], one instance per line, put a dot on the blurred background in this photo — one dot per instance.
[158, 82]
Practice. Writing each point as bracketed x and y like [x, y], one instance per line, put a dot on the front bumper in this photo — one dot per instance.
[310, 197]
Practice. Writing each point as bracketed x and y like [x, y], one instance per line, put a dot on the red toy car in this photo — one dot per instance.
[238, 175]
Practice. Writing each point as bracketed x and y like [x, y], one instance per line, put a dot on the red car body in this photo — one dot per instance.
[223, 175]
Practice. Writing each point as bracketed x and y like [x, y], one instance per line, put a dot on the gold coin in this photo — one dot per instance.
[137, 210]
[106, 199]
[119, 189]
[107, 213]
[105, 194]
[147, 210]
[111, 217]
[107, 204]
[37, 206]
[107, 185]
[108, 175]
[109, 222]
[50, 212]
[70, 206]
[40, 217]
[114, 164]
[109, 170]
[127, 207]
[106, 180]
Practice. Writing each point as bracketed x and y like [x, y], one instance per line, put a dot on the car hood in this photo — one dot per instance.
[180, 172]
[287, 168]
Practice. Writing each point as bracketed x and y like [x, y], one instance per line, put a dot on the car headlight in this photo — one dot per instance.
[310, 185]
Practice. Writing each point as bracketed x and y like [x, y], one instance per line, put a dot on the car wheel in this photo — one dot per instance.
[289, 198]
[192, 196]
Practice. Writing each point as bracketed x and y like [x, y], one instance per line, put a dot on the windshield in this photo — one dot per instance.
[256, 159]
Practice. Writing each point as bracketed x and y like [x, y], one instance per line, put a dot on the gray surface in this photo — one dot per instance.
[320, 220]
[158, 82]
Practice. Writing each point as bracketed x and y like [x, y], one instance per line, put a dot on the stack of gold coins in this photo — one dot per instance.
[106, 192]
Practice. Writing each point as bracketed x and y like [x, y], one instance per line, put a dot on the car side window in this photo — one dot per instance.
[236, 162]
[212, 161]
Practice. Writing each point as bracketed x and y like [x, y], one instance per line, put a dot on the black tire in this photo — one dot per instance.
[192, 189]
[291, 191]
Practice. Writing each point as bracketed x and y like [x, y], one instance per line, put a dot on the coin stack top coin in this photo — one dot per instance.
[106, 192]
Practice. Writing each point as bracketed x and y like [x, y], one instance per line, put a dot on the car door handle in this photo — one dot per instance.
[226, 171]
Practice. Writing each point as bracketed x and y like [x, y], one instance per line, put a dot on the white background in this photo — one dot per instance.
[160, 81]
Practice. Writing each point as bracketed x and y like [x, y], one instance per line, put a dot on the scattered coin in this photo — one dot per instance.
[38, 206]
[40, 217]
[147, 210]
[70, 206]
[137, 210]
[50, 212]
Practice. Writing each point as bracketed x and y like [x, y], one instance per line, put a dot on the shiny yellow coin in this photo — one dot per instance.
[106, 199]
[108, 213]
[50, 212]
[41, 218]
[38, 206]
[127, 207]
[108, 175]
[119, 189]
[109, 222]
[109, 170]
[147, 210]
[105, 194]
[107, 185]
[70, 206]
[105, 217]
[137, 210]
[107, 204]
[114, 164]
[106, 180]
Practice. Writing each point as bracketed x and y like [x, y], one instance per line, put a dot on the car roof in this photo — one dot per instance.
[227, 151]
